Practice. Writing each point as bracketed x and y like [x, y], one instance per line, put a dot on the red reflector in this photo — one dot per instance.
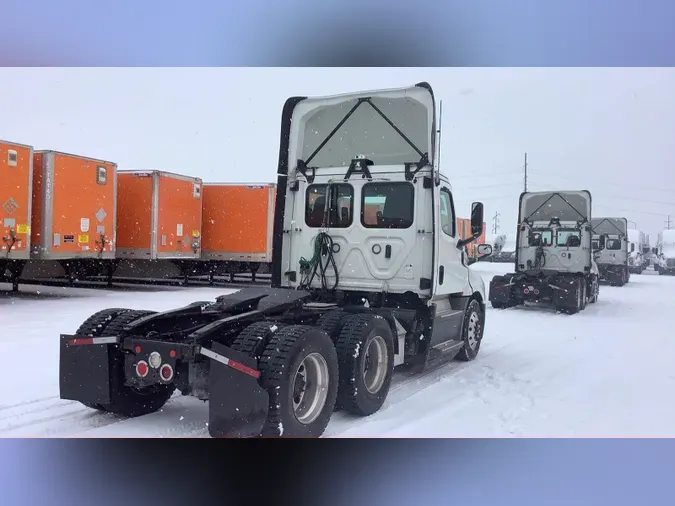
[526, 290]
[138, 349]
[536, 292]
[243, 368]
[172, 353]
[142, 369]
[166, 372]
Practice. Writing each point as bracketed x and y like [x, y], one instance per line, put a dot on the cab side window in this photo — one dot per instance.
[448, 223]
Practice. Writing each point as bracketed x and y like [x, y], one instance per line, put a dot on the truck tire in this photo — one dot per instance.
[595, 291]
[584, 293]
[332, 322]
[472, 332]
[253, 340]
[365, 350]
[299, 370]
[96, 323]
[124, 400]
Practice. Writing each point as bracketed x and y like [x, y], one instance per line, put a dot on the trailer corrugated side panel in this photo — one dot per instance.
[178, 208]
[16, 187]
[74, 207]
[238, 221]
[160, 215]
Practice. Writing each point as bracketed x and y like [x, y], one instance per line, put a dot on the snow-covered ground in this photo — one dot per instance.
[608, 371]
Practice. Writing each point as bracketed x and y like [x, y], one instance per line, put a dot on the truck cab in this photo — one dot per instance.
[554, 264]
[665, 252]
[373, 192]
[612, 259]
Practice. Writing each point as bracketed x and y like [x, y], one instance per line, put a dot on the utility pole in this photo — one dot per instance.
[495, 223]
[668, 222]
[525, 175]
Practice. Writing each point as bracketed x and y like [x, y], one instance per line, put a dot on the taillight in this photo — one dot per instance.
[142, 369]
[166, 372]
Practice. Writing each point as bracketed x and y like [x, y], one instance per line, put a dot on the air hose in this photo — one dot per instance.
[309, 269]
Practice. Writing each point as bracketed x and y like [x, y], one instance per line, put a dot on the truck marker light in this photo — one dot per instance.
[166, 372]
[137, 349]
[142, 369]
[172, 353]
[155, 360]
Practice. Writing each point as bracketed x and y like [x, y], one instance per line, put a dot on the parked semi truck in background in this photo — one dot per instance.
[638, 248]
[665, 252]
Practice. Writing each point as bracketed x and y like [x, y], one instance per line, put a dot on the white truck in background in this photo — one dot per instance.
[638, 248]
[506, 250]
[665, 252]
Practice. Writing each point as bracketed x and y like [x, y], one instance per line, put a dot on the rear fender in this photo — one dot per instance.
[238, 405]
[84, 368]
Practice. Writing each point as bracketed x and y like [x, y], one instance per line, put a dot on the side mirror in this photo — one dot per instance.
[655, 251]
[476, 219]
[632, 247]
[483, 250]
[602, 241]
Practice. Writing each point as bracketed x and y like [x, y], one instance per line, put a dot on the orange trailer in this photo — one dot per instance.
[160, 215]
[74, 207]
[16, 186]
[238, 222]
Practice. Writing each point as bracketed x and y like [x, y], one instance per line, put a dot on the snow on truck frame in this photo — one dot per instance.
[356, 290]
[610, 242]
[554, 262]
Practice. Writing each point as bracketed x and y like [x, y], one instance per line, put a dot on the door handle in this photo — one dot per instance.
[441, 274]
[387, 251]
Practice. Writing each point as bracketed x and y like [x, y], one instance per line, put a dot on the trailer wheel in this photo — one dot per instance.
[365, 349]
[332, 322]
[299, 370]
[254, 339]
[124, 400]
[472, 332]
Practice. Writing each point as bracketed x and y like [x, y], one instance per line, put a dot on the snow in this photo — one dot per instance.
[607, 371]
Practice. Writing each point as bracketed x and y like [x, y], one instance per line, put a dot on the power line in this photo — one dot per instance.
[668, 222]
[632, 187]
[622, 197]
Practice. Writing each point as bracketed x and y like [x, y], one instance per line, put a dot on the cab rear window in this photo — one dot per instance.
[340, 211]
[387, 205]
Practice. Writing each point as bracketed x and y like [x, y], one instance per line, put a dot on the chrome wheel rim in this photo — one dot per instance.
[375, 365]
[310, 388]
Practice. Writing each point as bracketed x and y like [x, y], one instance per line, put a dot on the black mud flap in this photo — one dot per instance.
[84, 370]
[565, 295]
[500, 290]
[238, 405]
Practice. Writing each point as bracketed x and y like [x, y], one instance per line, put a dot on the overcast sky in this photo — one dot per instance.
[611, 131]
